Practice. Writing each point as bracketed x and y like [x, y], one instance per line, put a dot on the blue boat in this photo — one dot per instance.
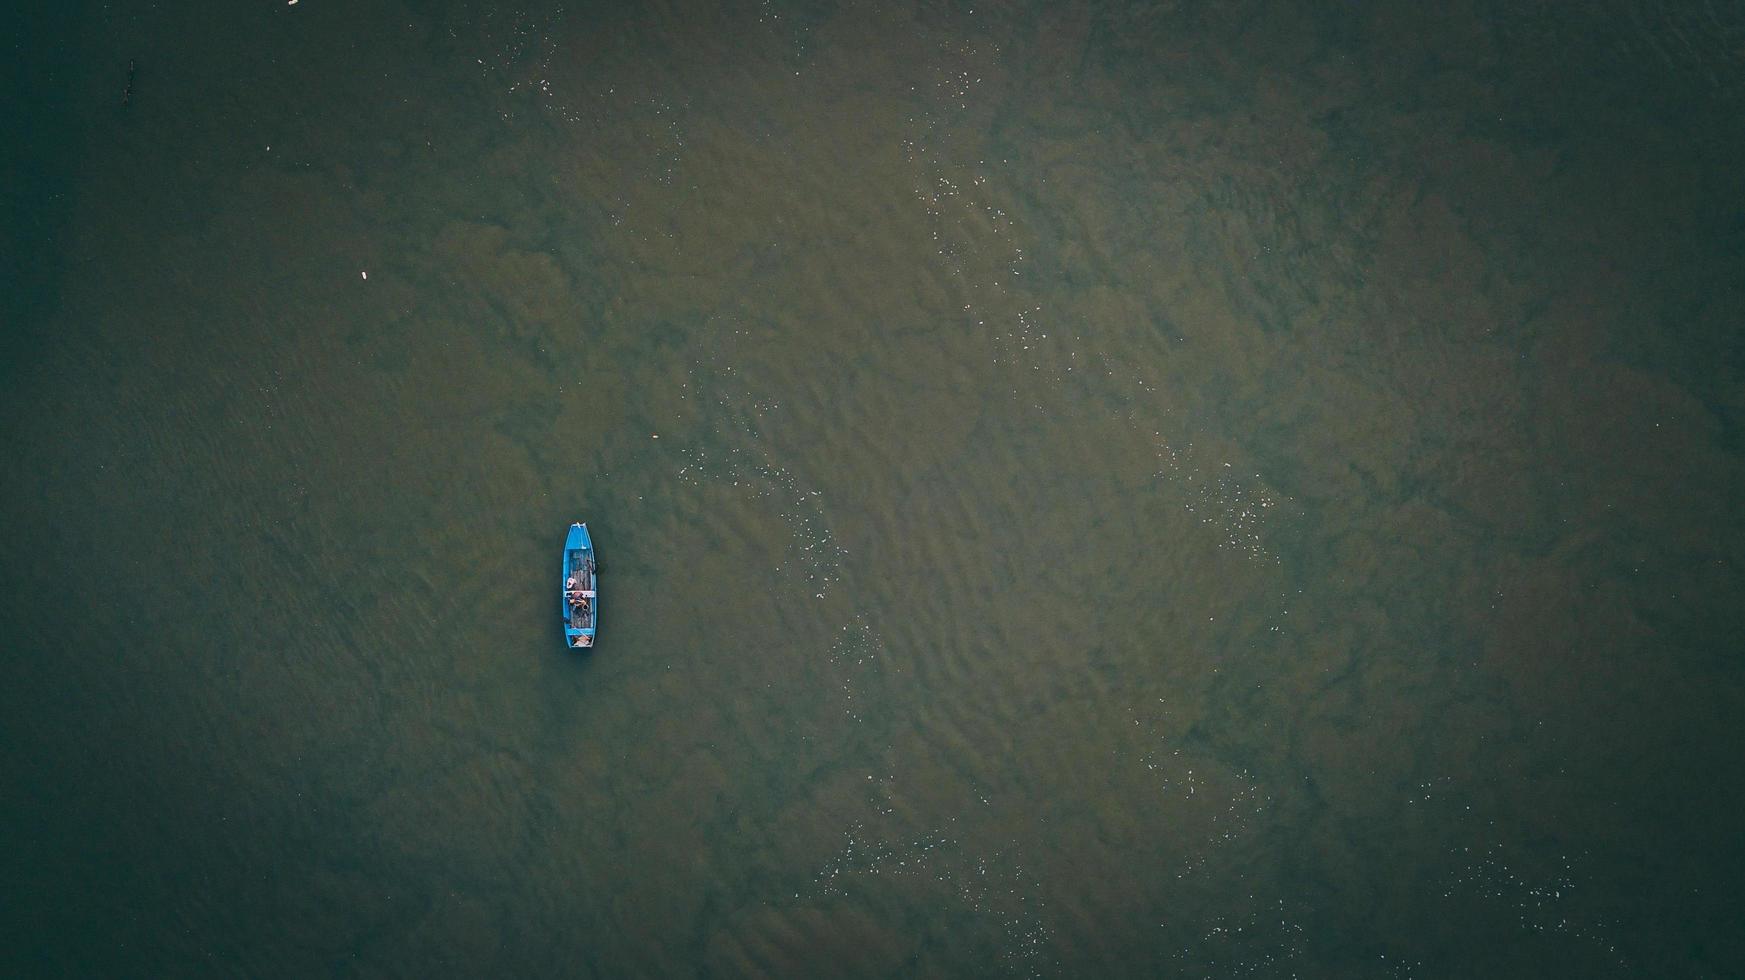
[580, 599]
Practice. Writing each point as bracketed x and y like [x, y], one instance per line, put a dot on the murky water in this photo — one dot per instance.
[1161, 489]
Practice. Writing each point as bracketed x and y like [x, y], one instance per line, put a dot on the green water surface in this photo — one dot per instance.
[1082, 489]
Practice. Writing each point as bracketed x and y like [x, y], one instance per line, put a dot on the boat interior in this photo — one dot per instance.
[582, 568]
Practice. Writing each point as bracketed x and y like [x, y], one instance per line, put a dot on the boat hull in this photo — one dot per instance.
[579, 593]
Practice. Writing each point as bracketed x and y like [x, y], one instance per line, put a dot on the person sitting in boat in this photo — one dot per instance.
[583, 640]
[572, 584]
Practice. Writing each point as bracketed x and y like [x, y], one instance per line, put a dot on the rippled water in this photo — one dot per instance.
[1160, 489]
